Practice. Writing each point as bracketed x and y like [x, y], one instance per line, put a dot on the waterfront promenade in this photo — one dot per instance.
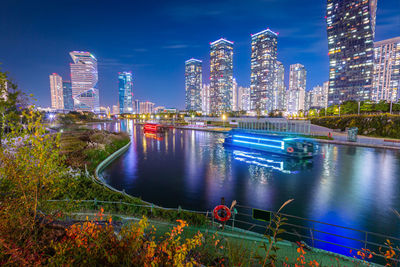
[316, 130]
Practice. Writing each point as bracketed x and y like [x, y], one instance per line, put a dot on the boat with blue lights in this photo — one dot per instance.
[286, 145]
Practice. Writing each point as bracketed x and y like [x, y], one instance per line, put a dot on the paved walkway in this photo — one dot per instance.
[366, 141]
[339, 137]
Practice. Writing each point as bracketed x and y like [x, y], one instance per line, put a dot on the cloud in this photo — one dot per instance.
[112, 63]
[140, 50]
[175, 46]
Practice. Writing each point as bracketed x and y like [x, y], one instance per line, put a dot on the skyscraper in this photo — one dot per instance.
[67, 95]
[84, 77]
[221, 76]
[146, 107]
[318, 97]
[205, 99]
[297, 88]
[279, 87]
[263, 70]
[386, 84]
[243, 98]
[193, 84]
[115, 109]
[125, 92]
[351, 29]
[56, 91]
[235, 95]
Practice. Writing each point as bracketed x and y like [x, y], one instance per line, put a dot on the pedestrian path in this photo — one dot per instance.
[366, 141]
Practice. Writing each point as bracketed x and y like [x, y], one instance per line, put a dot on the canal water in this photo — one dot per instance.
[343, 185]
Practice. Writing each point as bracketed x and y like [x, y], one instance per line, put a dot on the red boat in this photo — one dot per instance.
[153, 127]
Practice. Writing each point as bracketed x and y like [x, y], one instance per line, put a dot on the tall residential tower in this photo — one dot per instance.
[263, 70]
[193, 84]
[387, 70]
[221, 76]
[84, 77]
[351, 28]
[297, 88]
[56, 91]
[279, 88]
[125, 92]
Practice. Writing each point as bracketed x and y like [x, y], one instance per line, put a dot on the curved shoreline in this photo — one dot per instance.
[100, 180]
[102, 165]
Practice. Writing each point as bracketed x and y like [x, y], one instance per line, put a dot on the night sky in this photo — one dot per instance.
[154, 38]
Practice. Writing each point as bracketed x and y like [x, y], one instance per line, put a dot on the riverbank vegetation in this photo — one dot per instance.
[385, 125]
[75, 117]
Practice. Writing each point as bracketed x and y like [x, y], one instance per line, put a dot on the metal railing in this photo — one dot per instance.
[277, 126]
[312, 233]
[317, 234]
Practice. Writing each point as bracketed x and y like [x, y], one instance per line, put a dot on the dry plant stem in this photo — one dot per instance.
[275, 233]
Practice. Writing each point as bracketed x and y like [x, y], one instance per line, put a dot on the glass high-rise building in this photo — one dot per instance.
[351, 28]
[387, 70]
[263, 70]
[221, 76]
[244, 98]
[84, 77]
[193, 84]
[235, 95]
[56, 91]
[205, 99]
[297, 88]
[67, 94]
[279, 87]
[125, 92]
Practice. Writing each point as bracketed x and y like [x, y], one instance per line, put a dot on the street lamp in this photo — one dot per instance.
[223, 119]
[192, 118]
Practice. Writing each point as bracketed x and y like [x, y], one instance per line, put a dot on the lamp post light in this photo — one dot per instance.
[223, 119]
[192, 118]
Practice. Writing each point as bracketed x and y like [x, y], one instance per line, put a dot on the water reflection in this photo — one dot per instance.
[351, 186]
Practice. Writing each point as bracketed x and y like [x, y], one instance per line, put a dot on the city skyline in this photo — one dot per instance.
[304, 42]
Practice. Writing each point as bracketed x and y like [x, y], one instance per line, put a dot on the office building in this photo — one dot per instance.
[125, 92]
[244, 98]
[193, 84]
[221, 76]
[67, 95]
[205, 96]
[263, 70]
[386, 84]
[297, 89]
[84, 77]
[56, 91]
[351, 29]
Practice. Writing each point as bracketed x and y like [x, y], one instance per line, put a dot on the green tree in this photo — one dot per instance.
[382, 106]
[31, 172]
[10, 100]
[367, 106]
[349, 107]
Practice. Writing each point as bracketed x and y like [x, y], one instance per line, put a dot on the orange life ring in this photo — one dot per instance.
[290, 149]
[226, 216]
